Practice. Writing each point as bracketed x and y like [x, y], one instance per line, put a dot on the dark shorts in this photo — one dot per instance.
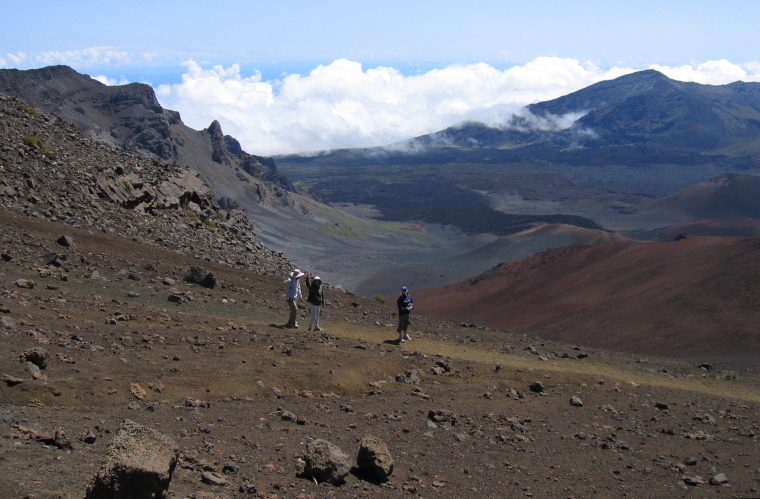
[403, 322]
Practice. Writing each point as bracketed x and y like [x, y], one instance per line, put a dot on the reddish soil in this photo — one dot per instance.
[696, 298]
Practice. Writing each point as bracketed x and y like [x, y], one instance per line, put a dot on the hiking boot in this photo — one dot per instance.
[407, 337]
[318, 329]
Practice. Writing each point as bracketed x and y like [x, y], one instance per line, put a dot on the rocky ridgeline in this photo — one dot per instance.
[48, 169]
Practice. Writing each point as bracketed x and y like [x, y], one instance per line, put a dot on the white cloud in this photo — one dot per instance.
[13, 60]
[344, 105]
[93, 56]
[110, 81]
[712, 72]
[78, 59]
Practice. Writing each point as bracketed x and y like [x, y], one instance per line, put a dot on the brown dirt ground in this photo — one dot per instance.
[696, 298]
[226, 348]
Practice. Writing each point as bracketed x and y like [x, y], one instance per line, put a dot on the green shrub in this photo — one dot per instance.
[379, 298]
[35, 143]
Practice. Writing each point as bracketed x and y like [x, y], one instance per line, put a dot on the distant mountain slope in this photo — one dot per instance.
[488, 252]
[131, 117]
[643, 108]
[649, 107]
[723, 227]
[533, 240]
[597, 153]
[726, 196]
[678, 298]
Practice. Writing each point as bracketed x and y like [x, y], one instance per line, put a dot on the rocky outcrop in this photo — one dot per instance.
[50, 170]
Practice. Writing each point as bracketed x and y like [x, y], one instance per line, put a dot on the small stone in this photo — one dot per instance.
[25, 283]
[247, 488]
[576, 401]
[213, 478]
[61, 441]
[719, 479]
[11, 380]
[230, 467]
[138, 391]
[693, 480]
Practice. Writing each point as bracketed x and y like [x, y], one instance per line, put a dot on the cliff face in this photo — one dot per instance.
[131, 117]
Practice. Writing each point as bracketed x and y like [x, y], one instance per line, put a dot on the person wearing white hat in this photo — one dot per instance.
[316, 299]
[293, 293]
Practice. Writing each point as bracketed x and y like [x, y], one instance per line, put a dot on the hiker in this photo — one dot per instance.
[405, 305]
[293, 293]
[316, 299]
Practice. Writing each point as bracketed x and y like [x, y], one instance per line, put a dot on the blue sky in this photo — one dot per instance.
[293, 76]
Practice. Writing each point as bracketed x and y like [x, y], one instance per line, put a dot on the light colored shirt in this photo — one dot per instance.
[292, 289]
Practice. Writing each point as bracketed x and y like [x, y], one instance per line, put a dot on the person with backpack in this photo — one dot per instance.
[316, 299]
[405, 305]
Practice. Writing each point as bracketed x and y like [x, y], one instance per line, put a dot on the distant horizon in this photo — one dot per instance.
[310, 138]
[296, 76]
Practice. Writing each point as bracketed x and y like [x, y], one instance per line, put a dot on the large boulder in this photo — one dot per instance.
[326, 462]
[374, 459]
[138, 465]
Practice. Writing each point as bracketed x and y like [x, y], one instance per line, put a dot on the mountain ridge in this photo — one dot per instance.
[131, 116]
[642, 108]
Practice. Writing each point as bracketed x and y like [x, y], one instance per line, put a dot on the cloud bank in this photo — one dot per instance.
[86, 58]
[344, 105]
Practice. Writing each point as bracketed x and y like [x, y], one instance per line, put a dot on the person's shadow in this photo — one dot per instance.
[392, 342]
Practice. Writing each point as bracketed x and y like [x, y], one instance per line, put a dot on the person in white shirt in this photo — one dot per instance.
[293, 293]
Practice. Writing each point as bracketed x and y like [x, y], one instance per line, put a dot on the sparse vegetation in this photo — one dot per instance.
[30, 110]
[204, 220]
[379, 298]
[35, 143]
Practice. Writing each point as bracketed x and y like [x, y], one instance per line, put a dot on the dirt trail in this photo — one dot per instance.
[632, 375]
